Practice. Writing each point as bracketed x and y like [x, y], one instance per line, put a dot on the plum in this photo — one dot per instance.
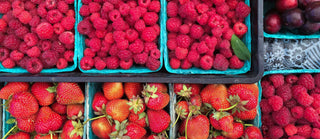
[309, 28]
[283, 5]
[293, 18]
[272, 22]
[304, 3]
[312, 12]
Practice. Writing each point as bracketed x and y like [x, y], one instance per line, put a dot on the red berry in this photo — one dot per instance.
[34, 52]
[173, 24]
[62, 63]
[242, 10]
[149, 34]
[183, 41]
[150, 18]
[297, 112]
[206, 62]
[25, 17]
[44, 30]
[34, 65]
[275, 102]
[140, 58]
[68, 22]
[66, 37]
[152, 64]
[220, 62]
[155, 6]
[8, 63]
[126, 64]
[235, 62]
[112, 62]
[31, 39]
[86, 63]
[174, 63]
[181, 53]
[240, 29]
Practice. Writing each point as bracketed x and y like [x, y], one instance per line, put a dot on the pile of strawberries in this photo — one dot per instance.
[120, 34]
[127, 110]
[200, 32]
[216, 105]
[37, 34]
[291, 106]
[41, 109]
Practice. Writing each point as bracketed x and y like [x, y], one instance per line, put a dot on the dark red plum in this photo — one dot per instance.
[304, 3]
[309, 28]
[293, 18]
[272, 22]
[312, 12]
[283, 5]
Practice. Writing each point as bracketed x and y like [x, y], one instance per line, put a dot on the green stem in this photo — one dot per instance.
[180, 99]
[9, 132]
[186, 126]
[248, 124]
[176, 120]
[94, 119]
[165, 133]
[226, 109]
[51, 136]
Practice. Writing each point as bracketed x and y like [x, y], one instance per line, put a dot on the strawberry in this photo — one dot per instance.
[26, 124]
[101, 128]
[44, 96]
[137, 105]
[182, 109]
[19, 135]
[160, 87]
[59, 108]
[99, 103]
[72, 130]
[214, 122]
[132, 89]
[252, 87]
[195, 89]
[155, 99]
[243, 98]
[47, 120]
[134, 131]
[216, 95]
[23, 105]
[225, 120]
[159, 120]
[197, 127]
[113, 90]
[75, 111]
[181, 89]
[139, 119]
[153, 136]
[69, 93]
[252, 132]
[246, 115]
[118, 109]
[39, 136]
[236, 133]
[12, 88]
[196, 100]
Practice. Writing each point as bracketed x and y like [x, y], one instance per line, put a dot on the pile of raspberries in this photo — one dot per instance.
[200, 32]
[291, 106]
[37, 34]
[120, 34]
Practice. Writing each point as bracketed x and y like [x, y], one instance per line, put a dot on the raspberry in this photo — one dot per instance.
[11, 42]
[140, 25]
[149, 34]
[296, 137]
[5, 7]
[232, 4]
[174, 63]
[68, 23]
[202, 48]
[131, 35]
[100, 33]
[107, 7]
[282, 117]
[277, 80]
[140, 58]
[228, 34]
[220, 62]
[275, 132]
[211, 42]
[85, 27]
[316, 102]
[34, 21]
[185, 64]
[70, 13]
[14, 24]
[284, 92]
[8, 63]
[62, 63]
[183, 41]
[58, 28]
[240, 29]
[132, 4]
[126, 64]
[23, 47]
[63, 7]
[84, 10]
[265, 107]
[86, 63]
[315, 133]
[122, 45]
[148, 46]
[99, 64]
[304, 130]
[218, 2]
[152, 64]
[173, 24]
[134, 14]
[95, 44]
[119, 36]
[297, 112]
[124, 55]
[235, 62]
[188, 11]
[206, 62]
[310, 114]
[216, 32]
[150, 18]
[181, 53]
[51, 4]
[109, 38]
[88, 52]
[49, 58]
[222, 9]
[275, 102]
[66, 37]
[304, 98]
[196, 31]
[202, 8]
[42, 11]
[306, 80]
[15, 55]
[142, 10]
[31, 39]
[291, 79]
[69, 1]
[291, 103]
[3, 25]
[34, 65]
[86, 1]
[224, 44]
[184, 29]
[34, 52]
[45, 45]
[231, 14]
[100, 24]
[94, 7]
[112, 62]
[25, 17]
[120, 25]
[203, 19]
[155, 53]
[291, 129]
[54, 16]
[44, 30]
[172, 44]
[68, 55]
[113, 50]
[144, 3]
[193, 56]
[155, 6]
[242, 10]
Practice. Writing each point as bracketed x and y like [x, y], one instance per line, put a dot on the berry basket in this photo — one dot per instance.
[194, 70]
[134, 68]
[91, 89]
[70, 67]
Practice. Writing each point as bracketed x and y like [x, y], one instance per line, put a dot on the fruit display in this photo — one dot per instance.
[44, 110]
[216, 111]
[120, 35]
[290, 106]
[130, 110]
[37, 34]
[297, 16]
[205, 34]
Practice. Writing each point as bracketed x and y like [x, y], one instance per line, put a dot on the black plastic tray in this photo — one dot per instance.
[163, 76]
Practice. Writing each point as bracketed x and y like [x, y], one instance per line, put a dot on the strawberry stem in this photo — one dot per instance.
[9, 131]
[176, 120]
[186, 126]
[93, 119]
[248, 124]
[226, 109]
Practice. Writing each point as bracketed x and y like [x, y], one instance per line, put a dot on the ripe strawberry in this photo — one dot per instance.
[243, 98]
[216, 95]
[160, 87]
[153, 136]
[23, 105]
[197, 127]
[154, 98]
[72, 130]
[182, 109]
[112, 90]
[252, 132]
[214, 122]
[12, 88]
[39, 136]
[118, 109]
[19, 135]
[75, 111]
[196, 100]
[246, 115]
[69, 93]
[236, 133]
[41, 91]
[47, 120]
[225, 121]
[195, 89]
[139, 119]
[137, 105]
[159, 120]
[252, 87]
[134, 131]
[101, 128]
[183, 90]
[26, 124]
[132, 89]
[99, 103]
[59, 108]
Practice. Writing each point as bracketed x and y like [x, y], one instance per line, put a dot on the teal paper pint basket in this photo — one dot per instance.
[70, 67]
[194, 70]
[134, 68]
[285, 33]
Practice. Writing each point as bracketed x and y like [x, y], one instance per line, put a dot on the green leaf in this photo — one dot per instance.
[240, 49]
[52, 89]
[11, 121]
